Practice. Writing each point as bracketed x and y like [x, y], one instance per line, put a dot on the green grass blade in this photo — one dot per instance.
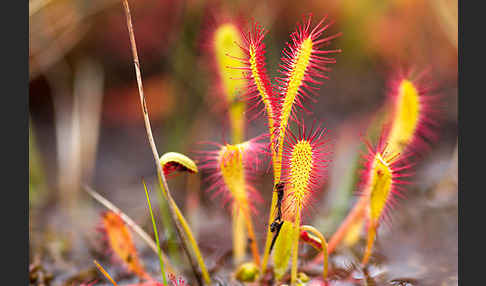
[164, 279]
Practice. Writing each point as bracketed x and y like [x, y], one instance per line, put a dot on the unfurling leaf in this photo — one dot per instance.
[173, 161]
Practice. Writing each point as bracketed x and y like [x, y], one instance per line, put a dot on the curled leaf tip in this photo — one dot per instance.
[173, 161]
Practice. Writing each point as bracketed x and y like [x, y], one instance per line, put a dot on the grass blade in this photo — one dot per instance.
[161, 262]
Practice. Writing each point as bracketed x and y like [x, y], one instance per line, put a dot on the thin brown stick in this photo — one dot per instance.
[104, 272]
[133, 225]
[136, 62]
[179, 221]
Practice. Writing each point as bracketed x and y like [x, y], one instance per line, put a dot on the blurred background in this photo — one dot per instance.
[86, 126]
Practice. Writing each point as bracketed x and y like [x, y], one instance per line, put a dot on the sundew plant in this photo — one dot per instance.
[298, 151]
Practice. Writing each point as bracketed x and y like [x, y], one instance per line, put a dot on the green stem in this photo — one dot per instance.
[273, 205]
[295, 248]
[172, 248]
[164, 279]
[370, 242]
[323, 249]
[239, 236]
[181, 222]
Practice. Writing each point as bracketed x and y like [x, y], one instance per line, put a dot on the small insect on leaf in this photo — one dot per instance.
[173, 161]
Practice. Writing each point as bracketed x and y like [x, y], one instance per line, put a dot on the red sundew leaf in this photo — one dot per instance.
[260, 89]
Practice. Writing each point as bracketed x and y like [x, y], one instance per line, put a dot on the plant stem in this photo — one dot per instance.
[276, 179]
[369, 243]
[182, 228]
[161, 263]
[172, 248]
[295, 248]
[177, 217]
[312, 229]
[238, 219]
[239, 235]
[251, 235]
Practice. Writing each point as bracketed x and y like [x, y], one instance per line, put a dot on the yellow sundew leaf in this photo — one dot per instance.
[283, 249]
[226, 50]
[225, 38]
[121, 243]
[301, 164]
[406, 116]
[233, 173]
[295, 81]
[380, 186]
[173, 161]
